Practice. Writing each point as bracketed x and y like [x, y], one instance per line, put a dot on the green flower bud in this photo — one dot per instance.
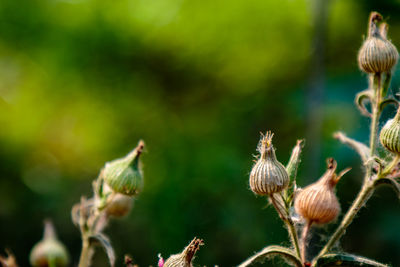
[49, 251]
[390, 134]
[125, 175]
[268, 175]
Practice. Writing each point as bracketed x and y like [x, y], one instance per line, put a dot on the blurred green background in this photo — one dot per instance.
[81, 81]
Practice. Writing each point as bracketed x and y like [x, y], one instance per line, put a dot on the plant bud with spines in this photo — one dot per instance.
[377, 54]
[49, 251]
[125, 175]
[268, 175]
[390, 134]
[184, 259]
[317, 203]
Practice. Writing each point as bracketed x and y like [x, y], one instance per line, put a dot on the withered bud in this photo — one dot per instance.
[185, 258]
[317, 203]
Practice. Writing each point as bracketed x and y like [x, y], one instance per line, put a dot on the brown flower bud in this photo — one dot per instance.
[377, 53]
[119, 206]
[268, 175]
[184, 259]
[317, 203]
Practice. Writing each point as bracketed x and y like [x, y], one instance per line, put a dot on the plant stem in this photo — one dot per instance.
[293, 236]
[390, 166]
[376, 112]
[304, 235]
[368, 184]
[85, 253]
[289, 223]
[361, 199]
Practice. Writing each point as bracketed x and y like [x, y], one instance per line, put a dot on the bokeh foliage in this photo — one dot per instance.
[81, 81]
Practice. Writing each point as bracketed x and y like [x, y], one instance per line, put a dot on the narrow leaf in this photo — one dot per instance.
[333, 259]
[390, 181]
[271, 251]
[105, 243]
[294, 160]
[361, 99]
[359, 147]
[388, 101]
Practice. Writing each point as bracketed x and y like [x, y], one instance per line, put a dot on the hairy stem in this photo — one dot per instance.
[361, 199]
[304, 235]
[368, 184]
[288, 221]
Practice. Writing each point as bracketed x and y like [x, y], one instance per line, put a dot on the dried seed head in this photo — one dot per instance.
[184, 259]
[125, 175]
[390, 134]
[49, 251]
[268, 175]
[377, 53]
[317, 203]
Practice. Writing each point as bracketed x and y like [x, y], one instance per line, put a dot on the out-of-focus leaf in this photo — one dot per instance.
[359, 147]
[333, 259]
[392, 182]
[271, 251]
[388, 101]
[105, 243]
[361, 99]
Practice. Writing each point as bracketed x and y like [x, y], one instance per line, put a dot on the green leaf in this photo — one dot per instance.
[390, 181]
[333, 259]
[272, 251]
[105, 243]
[388, 101]
[361, 99]
[294, 160]
[359, 147]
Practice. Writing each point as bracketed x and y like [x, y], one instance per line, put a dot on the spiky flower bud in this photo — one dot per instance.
[125, 175]
[268, 175]
[49, 251]
[317, 203]
[390, 134]
[377, 53]
[184, 259]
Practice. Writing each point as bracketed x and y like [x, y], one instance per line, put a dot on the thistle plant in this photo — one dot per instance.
[317, 203]
[114, 189]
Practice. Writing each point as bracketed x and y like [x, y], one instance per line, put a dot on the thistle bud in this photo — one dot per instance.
[185, 258]
[268, 175]
[125, 175]
[317, 203]
[390, 134]
[377, 54]
[49, 251]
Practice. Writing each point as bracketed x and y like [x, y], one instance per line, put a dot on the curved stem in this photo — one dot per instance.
[390, 166]
[304, 235]
[289, 224]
